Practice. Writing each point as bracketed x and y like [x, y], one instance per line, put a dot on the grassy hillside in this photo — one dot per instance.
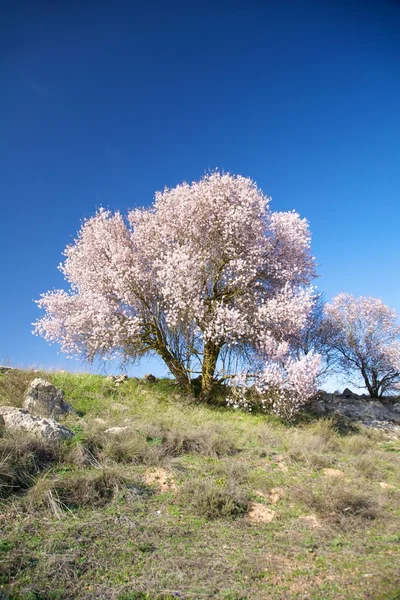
[194, 502]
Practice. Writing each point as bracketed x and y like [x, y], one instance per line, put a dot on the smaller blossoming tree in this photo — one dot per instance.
[365, 336]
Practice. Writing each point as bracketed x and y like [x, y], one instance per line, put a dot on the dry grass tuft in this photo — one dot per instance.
[314, 444]
[338, 501]
[126, 447]
[207, 440]
[13, 386]
[212, 500]
[22, 457]
[91, 488]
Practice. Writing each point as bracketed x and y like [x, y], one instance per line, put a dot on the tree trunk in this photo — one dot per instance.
[210, 358]
[373, 390]
[173, 363]
[177, 369]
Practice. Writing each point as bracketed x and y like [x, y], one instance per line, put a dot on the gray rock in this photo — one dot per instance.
[348, 393]
[120, 379]
[46, 400]
[117, 379]
[18, 419]
[116, 430]
[149, 378]
[4, 369]
[366, 411]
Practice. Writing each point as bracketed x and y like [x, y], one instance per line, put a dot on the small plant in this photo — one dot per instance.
[22, 458]
[210, 500]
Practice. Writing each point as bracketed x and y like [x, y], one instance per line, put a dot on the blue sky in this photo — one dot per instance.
[105, 103]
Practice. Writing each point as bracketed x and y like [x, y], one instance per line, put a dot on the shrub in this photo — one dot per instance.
[210, 500]
[22, 457]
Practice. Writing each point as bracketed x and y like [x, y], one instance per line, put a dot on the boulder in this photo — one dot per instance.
[371, 413]
[117, 379]
[18, 419]
[44, 399]
[5, 369]
[116, 430]
[149, 378]
[120, 379]
[348, 393]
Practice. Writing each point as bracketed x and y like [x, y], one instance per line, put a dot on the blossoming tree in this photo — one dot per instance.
[365, 335]
[208, 278]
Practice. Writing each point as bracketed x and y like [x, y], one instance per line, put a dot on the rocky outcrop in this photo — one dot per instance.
[383, 414]
[149, 378]
[18, 419]
[117, 379]
[5, 369]
[45, 399]
[116, 430]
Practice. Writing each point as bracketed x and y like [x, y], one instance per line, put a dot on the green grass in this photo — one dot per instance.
[82, 520]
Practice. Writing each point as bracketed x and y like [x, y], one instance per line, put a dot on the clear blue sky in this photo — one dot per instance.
[105, 103]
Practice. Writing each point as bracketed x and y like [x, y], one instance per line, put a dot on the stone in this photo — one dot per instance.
[44, 399]
[18, 419]
[117, 379]
[367, 411]
[5, 369]
[333, 472]
[387, 486]
[116, 430]
[347, 393]
[120, 379]
[149, 378]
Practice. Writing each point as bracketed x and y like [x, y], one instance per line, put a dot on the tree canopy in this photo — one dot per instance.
[365, 335]
[208, 277]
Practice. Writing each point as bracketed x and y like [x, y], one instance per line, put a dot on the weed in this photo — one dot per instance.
[210, 500]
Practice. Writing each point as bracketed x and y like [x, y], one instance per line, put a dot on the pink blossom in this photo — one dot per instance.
[203, 278]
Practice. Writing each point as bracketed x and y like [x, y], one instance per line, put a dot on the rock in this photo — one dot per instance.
[333, 472]
[386, 486]
[45, 399]
[149, 378]
[19, 419]
[116, 430]
[4, 369]
[117, 379]
[347, 393]
[368, 412]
